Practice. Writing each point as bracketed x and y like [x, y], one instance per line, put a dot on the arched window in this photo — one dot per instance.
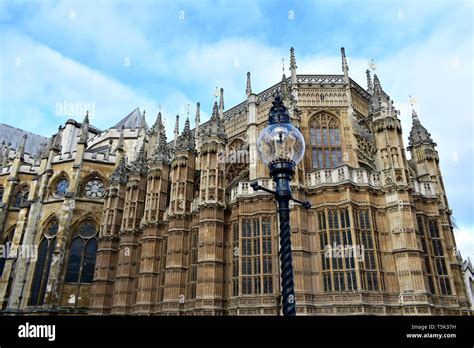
[21, 196]
[43, 263]
[325, 139]
[82, 254]
[7, 239]
[2, 190]
[61, 187]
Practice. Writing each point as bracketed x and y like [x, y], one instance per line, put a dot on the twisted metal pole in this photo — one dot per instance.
[282, 173]
[286, 262]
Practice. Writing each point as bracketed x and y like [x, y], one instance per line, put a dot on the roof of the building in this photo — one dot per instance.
[132, 120]
[15, 135]
[418, 133]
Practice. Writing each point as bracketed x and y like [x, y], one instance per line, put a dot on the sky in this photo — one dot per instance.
[60, 58]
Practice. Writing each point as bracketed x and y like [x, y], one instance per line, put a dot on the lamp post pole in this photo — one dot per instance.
[281, 146]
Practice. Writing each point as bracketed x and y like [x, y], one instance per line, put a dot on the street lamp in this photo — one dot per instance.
[281, 146]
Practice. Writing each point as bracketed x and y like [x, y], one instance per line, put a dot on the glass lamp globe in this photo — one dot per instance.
[280, 142]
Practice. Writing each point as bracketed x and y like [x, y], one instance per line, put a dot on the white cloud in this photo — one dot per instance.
[465, 241]
[44, 79]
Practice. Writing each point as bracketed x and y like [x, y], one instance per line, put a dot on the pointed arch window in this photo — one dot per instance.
[43, 263]
[82, 254]
[61, 187]
[21, 196]
[325, 140]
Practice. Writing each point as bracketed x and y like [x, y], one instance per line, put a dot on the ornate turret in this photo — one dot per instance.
[418, 133]
[120, 174]
[216, 125]
[370, 85]
[139, 166]
[186, 139]
[161, 154]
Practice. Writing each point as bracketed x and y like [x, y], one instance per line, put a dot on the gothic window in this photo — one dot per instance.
[256, 257]
[61, 187]
[424, 246]
[94, 188]
[237, 160]
[7, 240]
[21, 196]
[43, 263]
[367, 238]
[235, 259]
[439, 259]
[337, 252]
[325, 140]
[193, 267]
[82, 254]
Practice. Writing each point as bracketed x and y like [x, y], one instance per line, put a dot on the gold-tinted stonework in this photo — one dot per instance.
[125, 222]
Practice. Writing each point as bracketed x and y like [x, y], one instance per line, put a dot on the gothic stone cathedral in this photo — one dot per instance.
[126, 222]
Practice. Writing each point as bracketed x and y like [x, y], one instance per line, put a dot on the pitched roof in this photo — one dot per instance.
[132, 120]
[14, 136]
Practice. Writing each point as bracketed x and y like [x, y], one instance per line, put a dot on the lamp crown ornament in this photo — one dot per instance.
[280, 141]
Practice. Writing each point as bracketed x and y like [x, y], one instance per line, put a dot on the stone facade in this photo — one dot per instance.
[126, 222]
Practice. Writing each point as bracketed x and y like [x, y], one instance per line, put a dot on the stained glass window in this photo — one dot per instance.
[21, 197]
[43, 264]
[61, 188]
[82, 254]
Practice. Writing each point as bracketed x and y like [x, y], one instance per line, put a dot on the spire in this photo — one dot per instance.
[284, 84]
[377, 85]
[121, 141]
[21, 150]
[216, 124]
[197, 119]
[186, 139]
[370, 85]
[248, 90]
[161, 154]
[293, 66]
[158, 123]
[215, 112]
[345, 67]
[120, 173]
[187, 127]
[84, 130]
[139, 166]
[292, 59]
[221, 103]
[418, 133]
[176, 131]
